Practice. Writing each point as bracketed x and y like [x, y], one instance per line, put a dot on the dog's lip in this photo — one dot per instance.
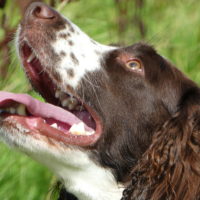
[36, 124]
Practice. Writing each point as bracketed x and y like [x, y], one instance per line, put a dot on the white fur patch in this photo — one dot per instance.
[88, 54]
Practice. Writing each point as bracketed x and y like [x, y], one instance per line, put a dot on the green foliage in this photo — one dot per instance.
[20, 177]
[171, 26]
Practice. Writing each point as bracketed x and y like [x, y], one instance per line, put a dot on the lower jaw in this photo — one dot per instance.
[36, 125]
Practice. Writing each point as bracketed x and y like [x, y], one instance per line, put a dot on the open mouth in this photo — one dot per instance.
[65, 118]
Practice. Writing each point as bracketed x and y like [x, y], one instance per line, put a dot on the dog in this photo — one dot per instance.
[119, 122]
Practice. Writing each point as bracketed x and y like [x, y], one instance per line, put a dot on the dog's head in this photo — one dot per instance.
[105, 103]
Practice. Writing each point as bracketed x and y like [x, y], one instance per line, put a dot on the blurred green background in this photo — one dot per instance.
[173, 27]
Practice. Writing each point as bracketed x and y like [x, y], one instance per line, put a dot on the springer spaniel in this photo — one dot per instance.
[116, 118]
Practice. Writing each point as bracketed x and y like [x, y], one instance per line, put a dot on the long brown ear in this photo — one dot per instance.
[170, 169]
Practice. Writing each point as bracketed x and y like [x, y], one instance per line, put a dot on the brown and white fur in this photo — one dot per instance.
[150, 116]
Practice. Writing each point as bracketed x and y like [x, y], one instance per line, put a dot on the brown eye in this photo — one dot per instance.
[134, 65]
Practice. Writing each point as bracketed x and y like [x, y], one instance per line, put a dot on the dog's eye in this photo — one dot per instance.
[134, 65]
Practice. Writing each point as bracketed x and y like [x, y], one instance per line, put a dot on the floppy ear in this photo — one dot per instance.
[170, 168]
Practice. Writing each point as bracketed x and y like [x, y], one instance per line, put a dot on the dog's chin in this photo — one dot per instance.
[42, 148]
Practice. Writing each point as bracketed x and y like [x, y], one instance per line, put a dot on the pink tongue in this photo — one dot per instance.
[40, 109]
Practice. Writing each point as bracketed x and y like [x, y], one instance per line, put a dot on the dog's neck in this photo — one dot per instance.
[81, 176]
[91, 183]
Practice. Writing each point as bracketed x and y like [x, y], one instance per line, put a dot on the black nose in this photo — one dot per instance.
[38, 11]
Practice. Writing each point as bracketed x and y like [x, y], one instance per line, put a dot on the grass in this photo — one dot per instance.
[172, 27]
[21, 177]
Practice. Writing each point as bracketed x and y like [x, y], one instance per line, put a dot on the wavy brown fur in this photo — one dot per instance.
[170, 168]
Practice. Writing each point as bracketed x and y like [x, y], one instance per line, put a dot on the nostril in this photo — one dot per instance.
[43, 12]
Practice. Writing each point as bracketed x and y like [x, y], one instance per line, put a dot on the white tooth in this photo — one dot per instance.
[21, 109]
[31, 57]
[89, 133]
[70, 103]
[77, 129]
[65, 102]
[57, 94]
[54, 125]
[73, 101]
[71, 107]
[12, 110]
